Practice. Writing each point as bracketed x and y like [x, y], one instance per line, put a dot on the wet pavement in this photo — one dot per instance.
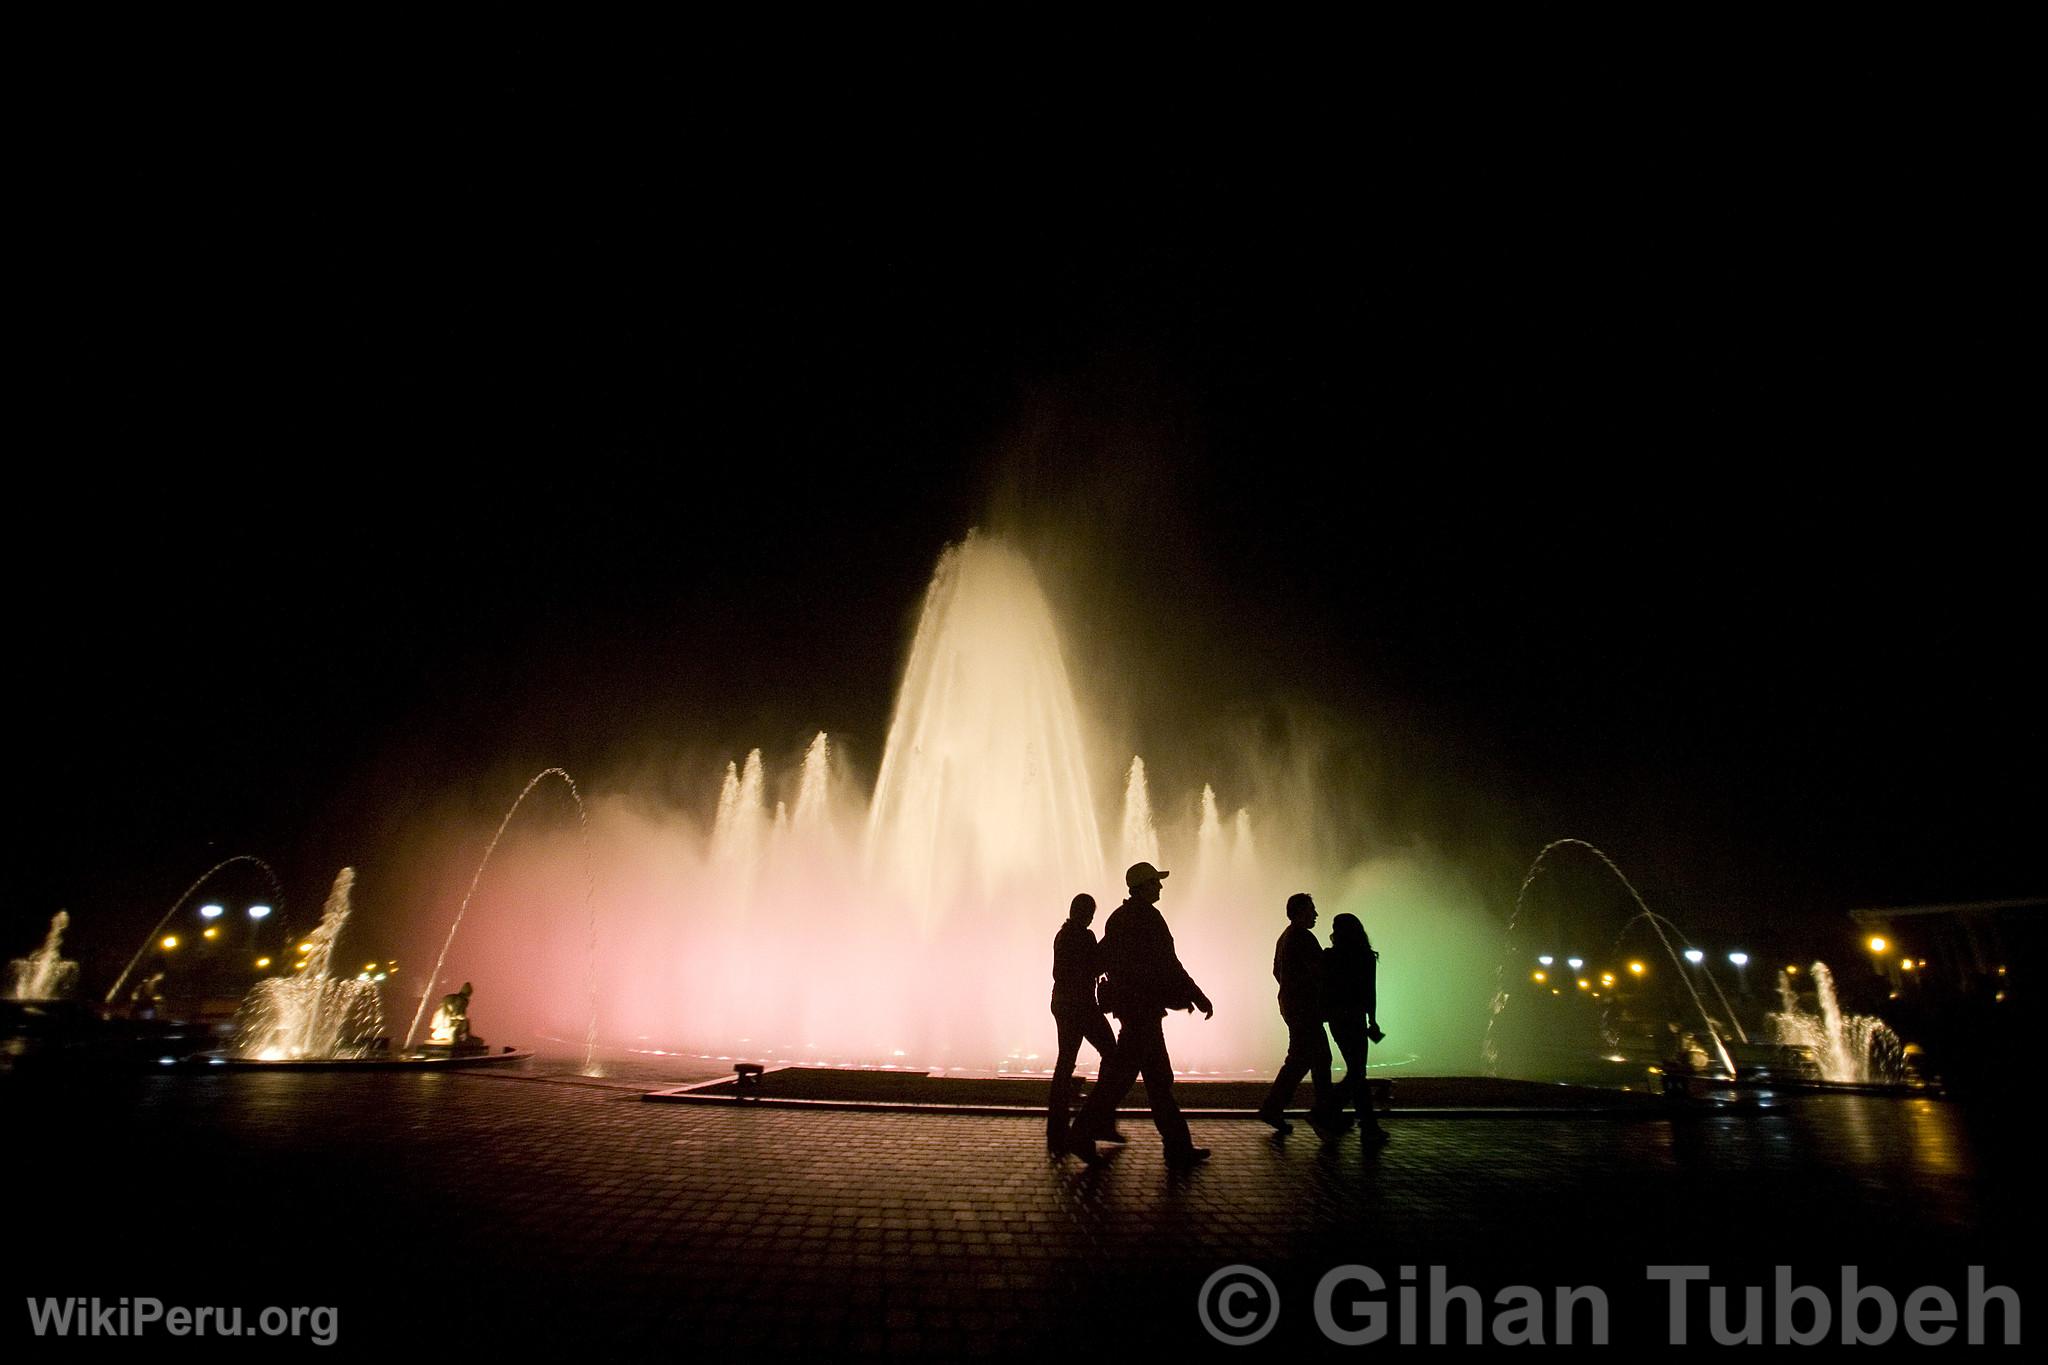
[545, 1208]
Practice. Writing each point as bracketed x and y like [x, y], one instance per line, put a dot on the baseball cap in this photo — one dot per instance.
[1140, 873]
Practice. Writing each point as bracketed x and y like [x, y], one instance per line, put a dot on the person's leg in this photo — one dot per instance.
[1350, 1036]
[1071, 1031]
[1291, 1071]
[1119, 1073]
[1317, 1045]
[1158, 1069]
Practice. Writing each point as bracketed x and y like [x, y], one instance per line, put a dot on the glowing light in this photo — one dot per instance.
[305, 947]
[1791, 969]
[170, 942]
[1635, 969]
[1739, 959]
[1575, 962]
[1545, 960]
[1878, 943]
[1905, 964]
[299, 966]
[1607, 978]
[212, 911]
[261, 963]
[1539, 976]
[211, 931]
[259, 912]
[1584, 984]
[1695, 956]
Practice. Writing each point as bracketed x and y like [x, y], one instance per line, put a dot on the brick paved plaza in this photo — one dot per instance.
[542, 1207]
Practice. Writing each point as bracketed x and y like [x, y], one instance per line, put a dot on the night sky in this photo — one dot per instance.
[1655, 477]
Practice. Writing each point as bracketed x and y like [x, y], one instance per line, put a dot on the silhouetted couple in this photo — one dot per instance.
[1338, 985]
[1140, 979]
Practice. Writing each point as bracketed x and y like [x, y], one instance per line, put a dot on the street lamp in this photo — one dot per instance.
[1740, 961]
[1695, 956]
[259, 912]
[1575, 962]
[211, 911]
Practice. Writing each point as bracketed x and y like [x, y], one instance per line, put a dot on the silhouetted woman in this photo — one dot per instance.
[1350, 999]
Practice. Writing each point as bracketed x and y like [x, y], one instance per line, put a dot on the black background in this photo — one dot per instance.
[1637, 457]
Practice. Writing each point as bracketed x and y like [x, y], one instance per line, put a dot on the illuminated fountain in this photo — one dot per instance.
[44, 974]
[815, 919]
[589, 907]
[310, 1015]
[1490, 1052]
[1851, 1049]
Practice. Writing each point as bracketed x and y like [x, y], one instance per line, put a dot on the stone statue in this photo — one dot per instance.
[450, 1027]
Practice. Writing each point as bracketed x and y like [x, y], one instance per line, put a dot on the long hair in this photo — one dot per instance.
[1348, 935]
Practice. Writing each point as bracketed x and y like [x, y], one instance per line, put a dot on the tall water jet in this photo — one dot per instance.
[1141, 839]
[310, 1014]
[1244, 854]
[589, 902]
[814, 786]
[737, 834]
[1854, 1049]
[984, 779]
[44, 974]
[1209, 850]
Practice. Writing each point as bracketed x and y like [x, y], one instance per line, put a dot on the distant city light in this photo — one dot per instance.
[1546, 960]
[1607, 978]
[305, 947]
[1575, 962]
[1584, 984]
[261, 963]
[170, 942]
[212, 911]
[1739, 959]
[1878, 944]
[211, 931]
[1635, 968]
[1695, 956]
[1792, 969]
[1905, 964]
[259, 911]
[1539, 976]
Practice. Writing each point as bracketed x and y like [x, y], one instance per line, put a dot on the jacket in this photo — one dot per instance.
[1145, 975]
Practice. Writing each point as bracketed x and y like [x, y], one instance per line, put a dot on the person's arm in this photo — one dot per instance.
[1192, 991]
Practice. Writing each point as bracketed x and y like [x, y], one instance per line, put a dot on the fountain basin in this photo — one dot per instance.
[390, 1061]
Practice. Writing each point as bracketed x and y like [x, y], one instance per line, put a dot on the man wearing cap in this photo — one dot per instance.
[1145, 980]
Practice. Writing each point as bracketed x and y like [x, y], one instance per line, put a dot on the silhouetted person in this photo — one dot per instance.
[1351, 999]
[1144, 979]
[1298, 967]
[1076, 966]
